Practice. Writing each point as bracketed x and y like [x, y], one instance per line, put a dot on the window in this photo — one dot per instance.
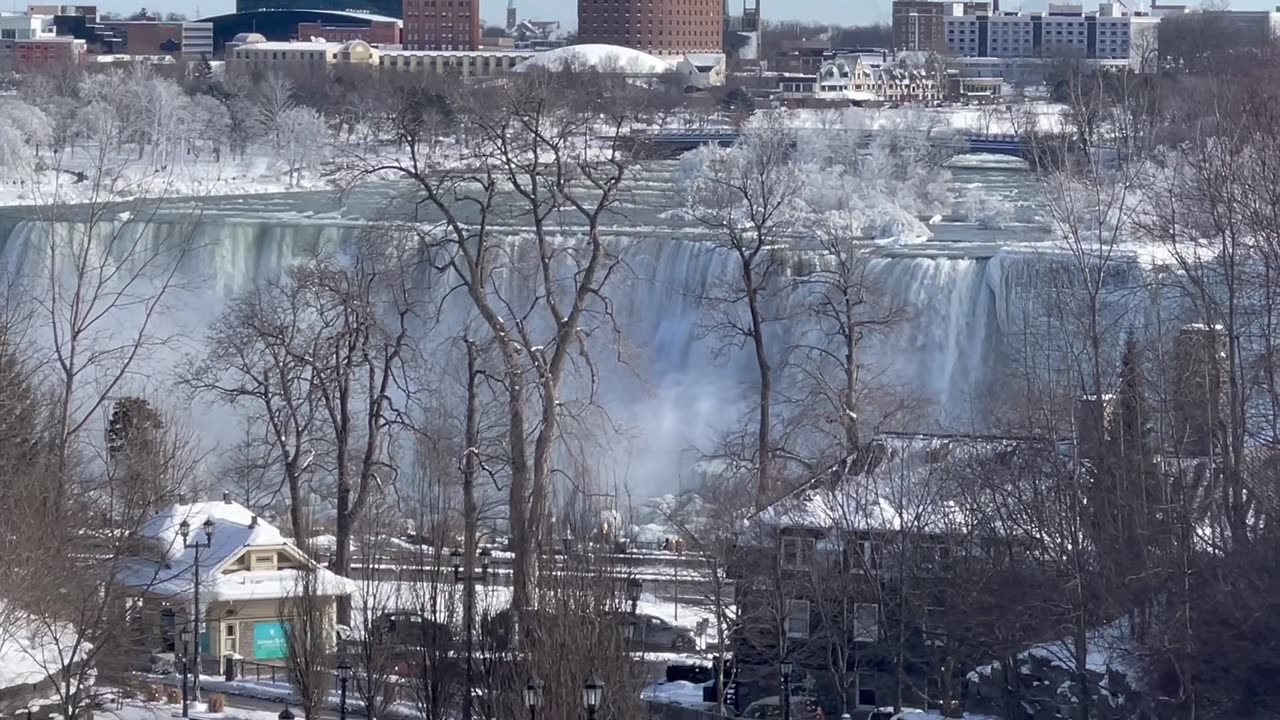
[797, 619]
[934, 632]
[866, 690]
[796, 551]
[866, 622]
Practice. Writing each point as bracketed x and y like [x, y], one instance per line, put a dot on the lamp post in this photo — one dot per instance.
[634, 586]
[533, 696]
[285, 714]
[469, 604]
[184, 643]
[344, 674]
[184, 529]
[592, 693]
[785, 667]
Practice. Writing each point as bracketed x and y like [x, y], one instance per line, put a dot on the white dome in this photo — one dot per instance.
[606, 58]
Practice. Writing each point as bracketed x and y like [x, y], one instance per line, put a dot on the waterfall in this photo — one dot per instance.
[667, 382]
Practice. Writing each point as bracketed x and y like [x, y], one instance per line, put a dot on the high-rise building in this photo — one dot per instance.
[660, 27]
[441, 25]
[1065, 31]
[918, 25]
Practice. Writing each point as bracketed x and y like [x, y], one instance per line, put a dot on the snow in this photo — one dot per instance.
[31, 650]
[599, 56]
[168, 569]
[679, 692]
[137, 710]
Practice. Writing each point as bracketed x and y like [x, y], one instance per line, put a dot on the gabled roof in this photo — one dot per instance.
[169, 567]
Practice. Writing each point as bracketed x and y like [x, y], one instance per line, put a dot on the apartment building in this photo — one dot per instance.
[1065, 31]
[441, 24]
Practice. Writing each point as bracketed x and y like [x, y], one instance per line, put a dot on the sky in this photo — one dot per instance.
[841, 12]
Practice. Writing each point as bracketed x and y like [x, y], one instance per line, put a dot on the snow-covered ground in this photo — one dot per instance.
[32, 650]
[995, 119]
[138, 710]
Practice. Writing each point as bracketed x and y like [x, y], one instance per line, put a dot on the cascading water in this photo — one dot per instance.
[667, 382]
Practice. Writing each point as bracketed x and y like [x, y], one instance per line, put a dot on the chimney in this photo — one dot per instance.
[226, 497]
[254, 522]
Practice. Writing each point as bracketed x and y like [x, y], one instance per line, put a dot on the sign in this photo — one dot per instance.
[269, 641]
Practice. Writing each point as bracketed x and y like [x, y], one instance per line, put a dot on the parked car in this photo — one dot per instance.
[654, 633]
[412, 630]
[770, 708]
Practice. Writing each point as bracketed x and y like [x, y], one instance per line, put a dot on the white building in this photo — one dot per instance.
[1065, 31]
[25, 27]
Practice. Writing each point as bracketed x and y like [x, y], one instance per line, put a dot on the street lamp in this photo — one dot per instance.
[344, 674]
[184, 642]
[285, 714]
[459, 575]
[592, 692]
[184, 529]
[785, 667]
[533, 696]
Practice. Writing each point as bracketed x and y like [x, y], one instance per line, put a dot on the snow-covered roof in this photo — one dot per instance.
[291, 45]
[704, 61]
[168, 569]
[607, 58]
[906, 489]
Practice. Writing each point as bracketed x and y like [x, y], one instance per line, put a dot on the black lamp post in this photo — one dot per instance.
[533, 696]
[469, 607]
[184, 642]
[285, 714]
[785, 666]
[184, 529]
[634, 587]
[592, 693]
[344, 674]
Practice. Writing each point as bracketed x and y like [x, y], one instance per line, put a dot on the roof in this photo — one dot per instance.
[278, 45]
[169, 568]
[909, 487]
[371, 17]
[609, 58]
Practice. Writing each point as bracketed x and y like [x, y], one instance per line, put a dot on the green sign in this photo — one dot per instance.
[269, 641]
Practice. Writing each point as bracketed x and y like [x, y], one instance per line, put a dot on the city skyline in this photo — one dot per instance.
[859, 12]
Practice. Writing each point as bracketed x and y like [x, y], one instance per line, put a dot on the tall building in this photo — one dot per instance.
[659, 27]
[441, 25]
[1064, 31]
[918, 25]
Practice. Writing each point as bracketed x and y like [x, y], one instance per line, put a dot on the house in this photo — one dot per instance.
[848, 578]
[247, 572]
[702, 70]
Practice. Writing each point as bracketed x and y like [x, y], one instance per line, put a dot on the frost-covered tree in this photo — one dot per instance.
[24, 129]
[273, 97]
[210, 124]
[300, 136]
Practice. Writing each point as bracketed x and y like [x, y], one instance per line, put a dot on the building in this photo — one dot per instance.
[660, 27]
[918, 25]
[441, 24]
[1065, 31]
[1188, 39]
[25, 27]
[47, 53]
[282, 25]
[374, 32]
[386, 8]
[151, 37]
[246, 571]
[463, 63]
[310, 59]
[800, 56]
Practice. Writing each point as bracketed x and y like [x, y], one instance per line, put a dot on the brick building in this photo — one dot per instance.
[47, 53]
[919, 25]
[441, 25]
[376, 32]
[660, 27]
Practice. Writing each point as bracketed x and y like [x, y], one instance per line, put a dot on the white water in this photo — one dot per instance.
[963, 309]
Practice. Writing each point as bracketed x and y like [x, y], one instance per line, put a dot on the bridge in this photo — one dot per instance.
[674, 141]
